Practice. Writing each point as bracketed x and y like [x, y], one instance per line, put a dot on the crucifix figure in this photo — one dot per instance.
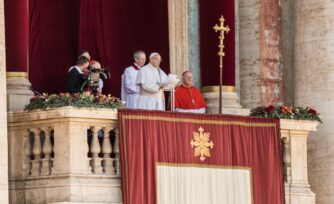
[222, 29]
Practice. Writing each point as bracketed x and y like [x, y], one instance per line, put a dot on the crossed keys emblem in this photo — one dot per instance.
[201, 144]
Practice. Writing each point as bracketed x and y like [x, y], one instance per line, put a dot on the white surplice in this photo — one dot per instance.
[151, 97]
[130, 90]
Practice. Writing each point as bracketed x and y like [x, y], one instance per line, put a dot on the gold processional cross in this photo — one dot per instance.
[202, 144]
[222, 29]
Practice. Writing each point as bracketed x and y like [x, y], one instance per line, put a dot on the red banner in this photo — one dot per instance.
[151, 138]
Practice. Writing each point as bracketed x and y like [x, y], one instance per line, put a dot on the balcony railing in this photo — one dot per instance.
[64, 155]
[72, 155]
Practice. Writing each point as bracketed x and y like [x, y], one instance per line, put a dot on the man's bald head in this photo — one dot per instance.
[187, 78]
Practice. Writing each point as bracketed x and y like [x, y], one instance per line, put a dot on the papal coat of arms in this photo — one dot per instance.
[201, 144]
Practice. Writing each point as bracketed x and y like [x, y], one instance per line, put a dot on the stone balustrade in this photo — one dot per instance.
[68, 155]
[64, 155]
[294, 135]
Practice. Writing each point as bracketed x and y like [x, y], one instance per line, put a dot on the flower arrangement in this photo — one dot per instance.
[285, 112]
[83, 100]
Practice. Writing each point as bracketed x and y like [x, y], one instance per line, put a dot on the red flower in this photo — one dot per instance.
[270, 109]
[312, 111]
[35, 98]
[285, 109]
[89, 90]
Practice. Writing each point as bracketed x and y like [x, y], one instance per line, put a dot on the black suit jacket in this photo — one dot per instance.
[74, 81]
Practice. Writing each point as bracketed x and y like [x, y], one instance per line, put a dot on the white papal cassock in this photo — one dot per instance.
[130, 90]
[151, 97]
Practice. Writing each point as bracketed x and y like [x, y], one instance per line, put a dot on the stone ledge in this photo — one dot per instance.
[63, 112]
[305, 125]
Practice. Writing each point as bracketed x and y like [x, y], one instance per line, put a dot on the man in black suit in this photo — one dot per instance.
[75, 80]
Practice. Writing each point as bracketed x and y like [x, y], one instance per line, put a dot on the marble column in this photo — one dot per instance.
[261, 64]
[17, 42]
[314, 82]
[3, 113]
[249, 56]
[193, 41]
[288, 49]
[178, 36]
[271, 62]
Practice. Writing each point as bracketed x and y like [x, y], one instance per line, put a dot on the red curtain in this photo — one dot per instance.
[16, 32]
[113, 30]
[210, 12]
[53, 45]
[148, 137]
[110, 30]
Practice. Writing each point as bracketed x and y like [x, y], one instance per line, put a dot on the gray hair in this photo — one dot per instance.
[137, 53]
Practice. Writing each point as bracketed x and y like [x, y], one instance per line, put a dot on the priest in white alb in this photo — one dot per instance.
[130, 89]
[152, 79]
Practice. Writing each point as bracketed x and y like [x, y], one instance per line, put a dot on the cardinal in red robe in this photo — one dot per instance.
[188, 98]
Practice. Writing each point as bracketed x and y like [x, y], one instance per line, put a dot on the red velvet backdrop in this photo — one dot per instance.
[110, 30]
[210, 12]
[53, 42]
[148, 137]
[17, 35]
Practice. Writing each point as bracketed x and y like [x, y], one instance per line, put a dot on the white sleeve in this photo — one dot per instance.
[129, 83]
[153, 88]
[200, 110]
[100, 84]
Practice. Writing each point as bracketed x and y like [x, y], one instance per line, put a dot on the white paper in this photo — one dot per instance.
[170, 82]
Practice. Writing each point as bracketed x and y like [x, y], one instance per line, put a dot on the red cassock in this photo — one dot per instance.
[189, 98]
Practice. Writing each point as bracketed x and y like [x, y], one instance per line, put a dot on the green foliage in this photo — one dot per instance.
[83, 100]
[284, 112]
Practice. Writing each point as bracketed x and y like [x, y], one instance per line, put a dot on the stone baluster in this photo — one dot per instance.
[95, 149]
[286, 157]
[27, 154]
[47, 150]
[116, 152]
[36, 150]
[107, 150]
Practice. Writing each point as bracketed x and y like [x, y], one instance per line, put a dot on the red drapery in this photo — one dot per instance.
[53, 42]
[113, 30]
[110, 30]
[210, 12]
[148, 137]
[17, 35]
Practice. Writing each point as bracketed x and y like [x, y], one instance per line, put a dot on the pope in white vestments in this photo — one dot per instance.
[130, 89]
[151, 81]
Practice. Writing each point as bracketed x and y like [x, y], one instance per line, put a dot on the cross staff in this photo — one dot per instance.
[222, 29]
